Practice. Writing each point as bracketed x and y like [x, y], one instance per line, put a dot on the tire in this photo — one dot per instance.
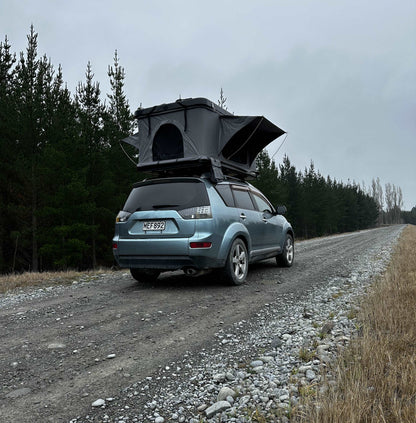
[288, 255]
[145, 275]
[236, 267]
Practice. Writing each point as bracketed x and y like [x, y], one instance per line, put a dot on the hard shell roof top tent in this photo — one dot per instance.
[195, 134]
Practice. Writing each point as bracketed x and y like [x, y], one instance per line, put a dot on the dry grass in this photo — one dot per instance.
[376, 376]
[17, 281]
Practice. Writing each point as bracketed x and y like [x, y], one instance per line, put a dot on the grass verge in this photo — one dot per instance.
[376, 374]
[12, 282]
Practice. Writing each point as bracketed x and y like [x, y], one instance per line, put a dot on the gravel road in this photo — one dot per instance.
[140, 349]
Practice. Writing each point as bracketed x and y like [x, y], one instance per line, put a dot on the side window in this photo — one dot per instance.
[243, 199]
[224, 190]
[262, 204]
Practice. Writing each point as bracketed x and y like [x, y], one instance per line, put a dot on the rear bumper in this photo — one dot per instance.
[167, 262]
[168, 254]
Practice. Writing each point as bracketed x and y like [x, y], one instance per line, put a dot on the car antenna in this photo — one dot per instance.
[280, 146]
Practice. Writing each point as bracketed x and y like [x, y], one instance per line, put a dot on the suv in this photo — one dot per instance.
[195, 224]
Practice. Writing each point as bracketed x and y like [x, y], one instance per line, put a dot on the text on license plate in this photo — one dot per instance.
[159, 225]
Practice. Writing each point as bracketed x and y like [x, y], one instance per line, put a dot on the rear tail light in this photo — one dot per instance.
[122, 216]
[115, 246]
[200, 212]
[200, 244]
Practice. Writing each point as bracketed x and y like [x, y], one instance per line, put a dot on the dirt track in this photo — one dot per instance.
[54, 349]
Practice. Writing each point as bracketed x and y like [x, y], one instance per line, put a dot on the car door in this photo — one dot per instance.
[272, 222]
[249, 216]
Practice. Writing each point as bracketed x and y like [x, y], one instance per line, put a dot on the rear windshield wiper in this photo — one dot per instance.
[164, 206]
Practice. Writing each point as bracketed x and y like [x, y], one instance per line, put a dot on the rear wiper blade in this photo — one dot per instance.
[164, 206]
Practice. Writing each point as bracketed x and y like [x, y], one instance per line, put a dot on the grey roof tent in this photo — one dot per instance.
[194, 133]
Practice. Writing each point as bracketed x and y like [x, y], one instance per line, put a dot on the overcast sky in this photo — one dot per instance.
[338, 76]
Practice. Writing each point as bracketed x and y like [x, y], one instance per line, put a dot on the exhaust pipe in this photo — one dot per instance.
[194, 272]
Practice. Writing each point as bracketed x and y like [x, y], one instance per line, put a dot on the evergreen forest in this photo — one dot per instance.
[64, 177]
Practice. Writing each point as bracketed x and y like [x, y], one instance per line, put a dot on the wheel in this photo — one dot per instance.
[236, 267]
[288, 255]
[145, 275]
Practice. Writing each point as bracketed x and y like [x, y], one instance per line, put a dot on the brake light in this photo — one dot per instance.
[200, 244]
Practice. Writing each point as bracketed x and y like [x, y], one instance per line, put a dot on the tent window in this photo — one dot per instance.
[167, 143]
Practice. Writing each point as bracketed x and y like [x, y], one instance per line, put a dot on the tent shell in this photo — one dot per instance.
[194, 135]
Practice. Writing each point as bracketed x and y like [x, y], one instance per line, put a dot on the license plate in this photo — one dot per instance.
[159, 225]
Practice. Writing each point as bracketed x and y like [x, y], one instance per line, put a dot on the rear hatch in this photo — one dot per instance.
[162, 210]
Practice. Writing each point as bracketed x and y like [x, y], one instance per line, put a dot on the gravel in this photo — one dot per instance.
[261, 365]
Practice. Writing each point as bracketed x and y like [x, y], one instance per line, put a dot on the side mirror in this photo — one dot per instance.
[281, 210]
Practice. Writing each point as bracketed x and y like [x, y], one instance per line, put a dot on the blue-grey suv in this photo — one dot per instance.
[196, 225]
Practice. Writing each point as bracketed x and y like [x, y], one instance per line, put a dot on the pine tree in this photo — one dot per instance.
[119, 124]
[7, 147]
[118, 109]
[222, 100]
[90, 116]
[33, 87]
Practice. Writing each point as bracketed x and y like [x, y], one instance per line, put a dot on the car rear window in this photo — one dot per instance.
[167, 195]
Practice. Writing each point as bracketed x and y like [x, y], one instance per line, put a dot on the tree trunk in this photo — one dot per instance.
[94, 254]
[35, 257]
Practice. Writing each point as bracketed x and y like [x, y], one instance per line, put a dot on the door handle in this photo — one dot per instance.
[264, 220]
[243, 216]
